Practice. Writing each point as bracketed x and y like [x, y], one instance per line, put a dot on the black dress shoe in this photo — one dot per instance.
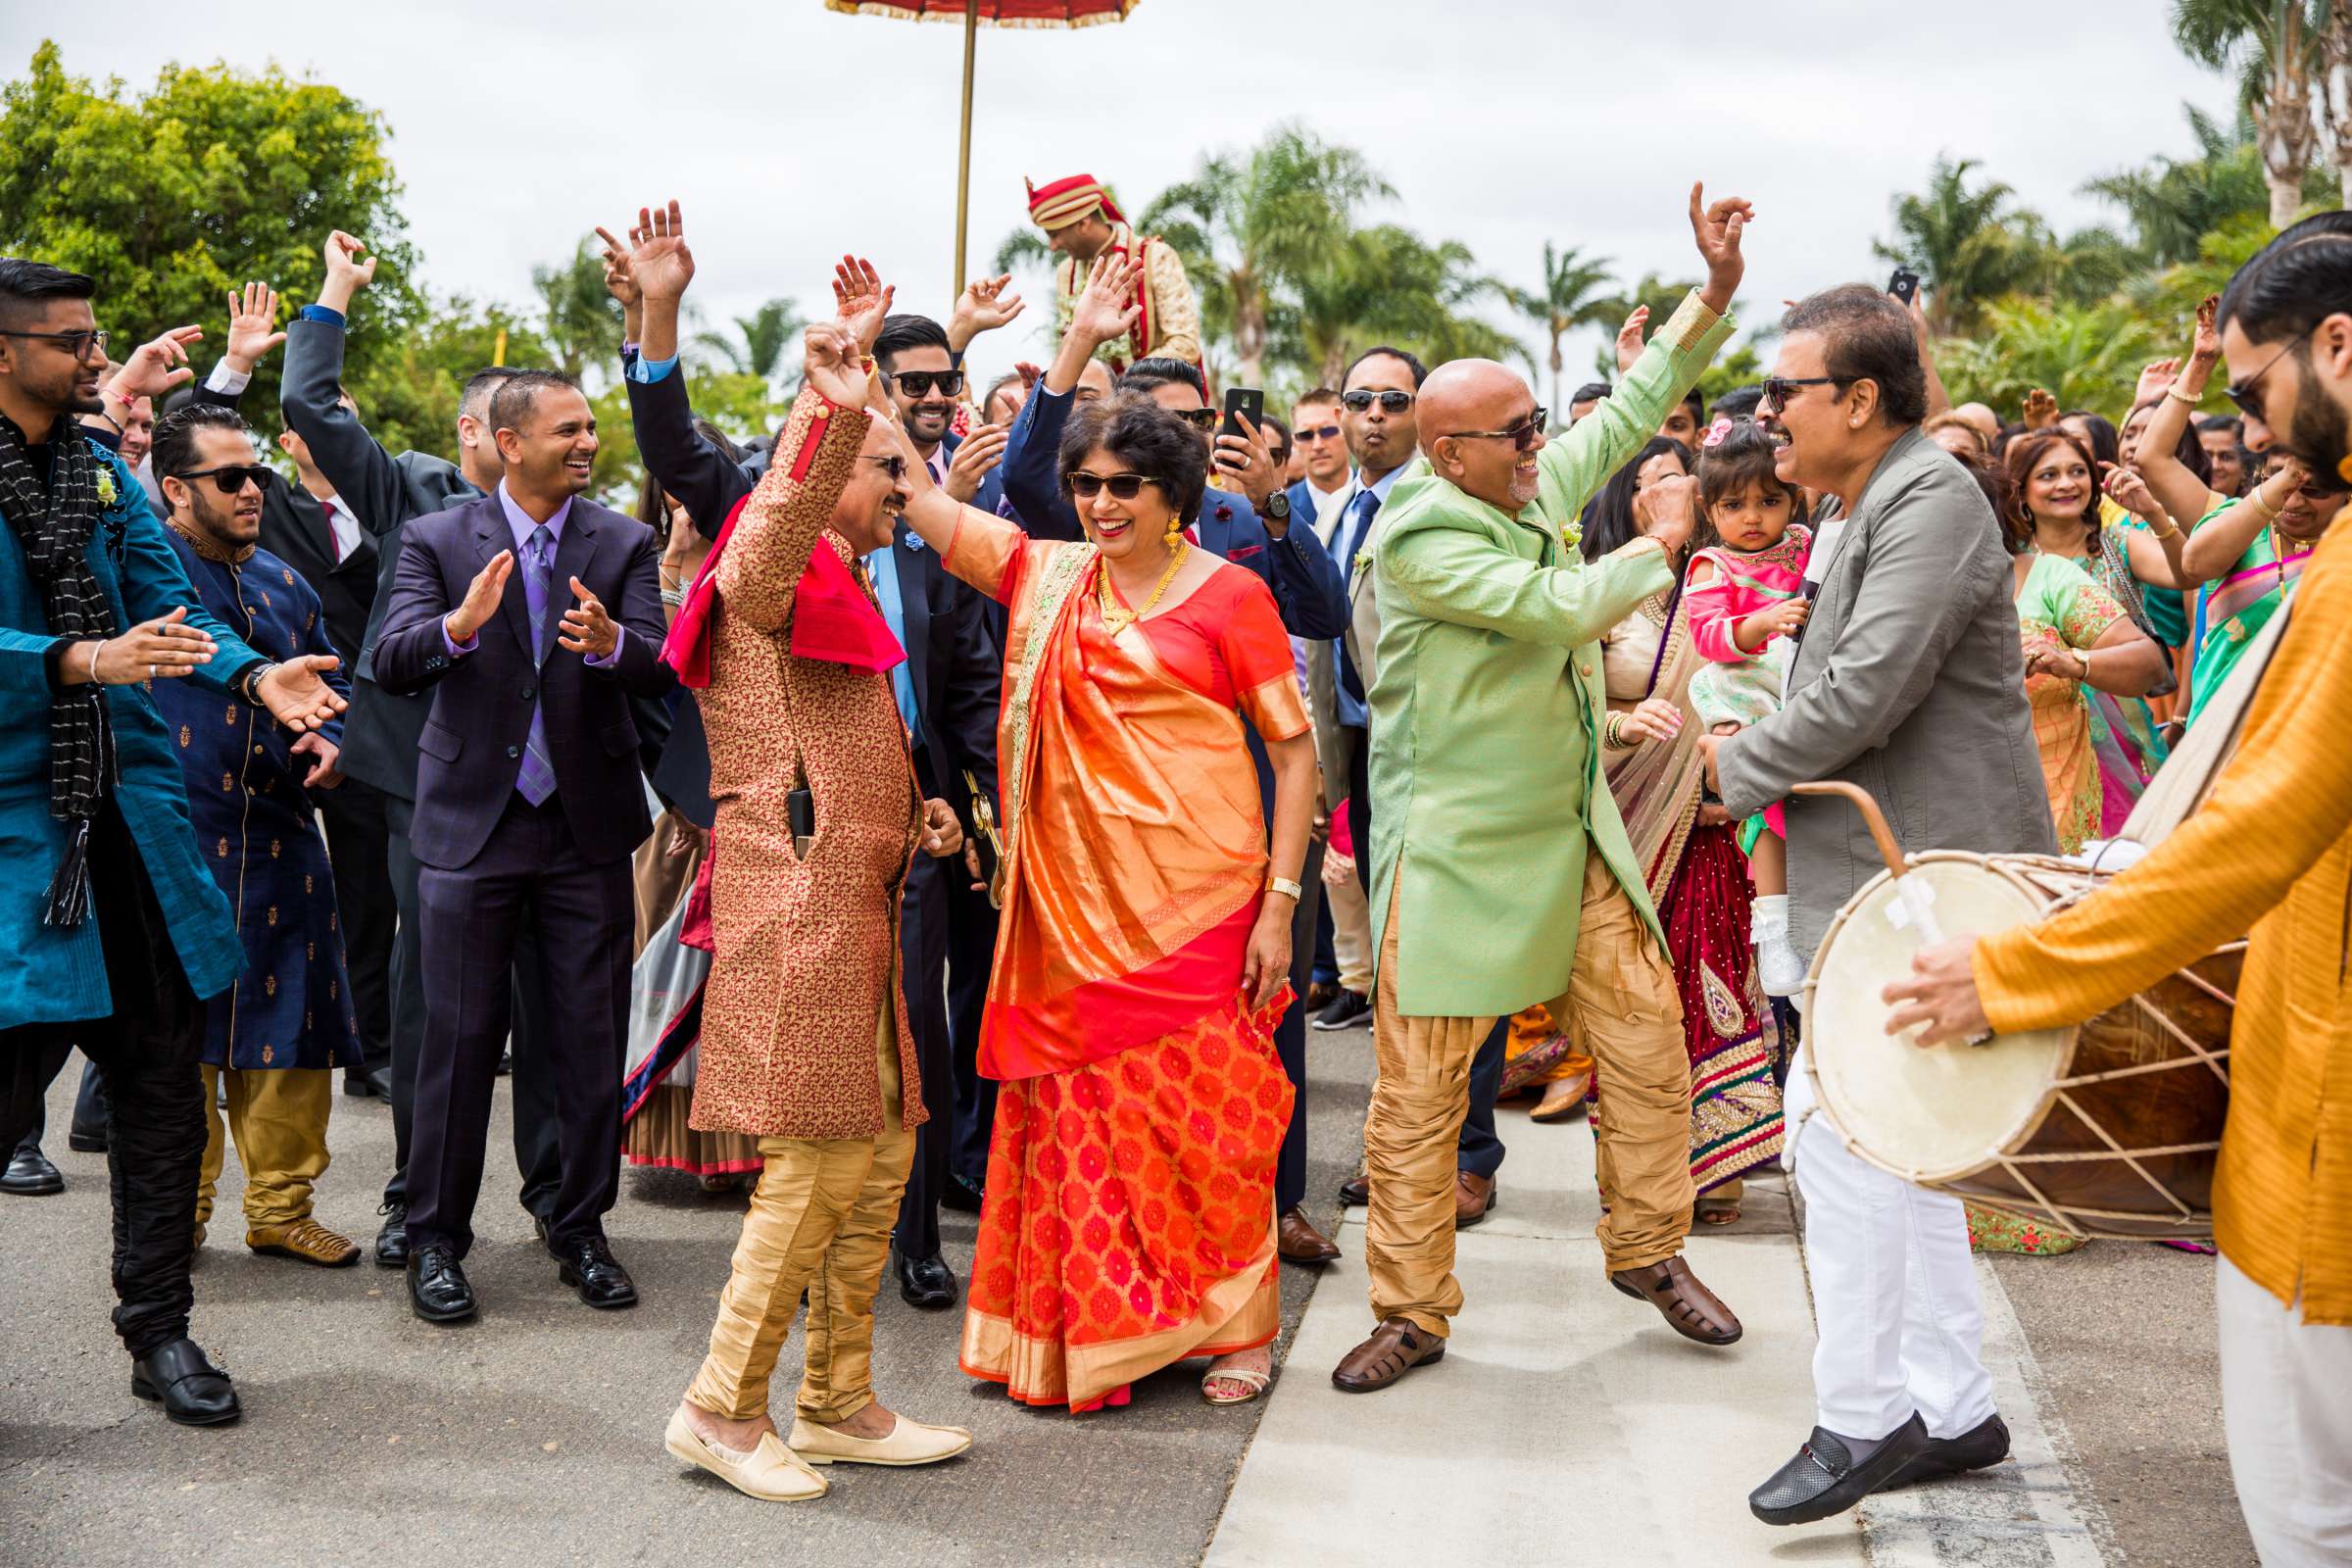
[589, 1268]
[30, 1173]
[437, 1288]
[367, 1083]
[191, 1389]
[1825, 1479]
[927, 1282]
[392, 1238]
[1349, 1008]
[86, 1140]
[1979, 1448]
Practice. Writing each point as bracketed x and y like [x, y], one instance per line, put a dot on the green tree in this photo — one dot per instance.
[2170, 204]
[2275, 47]
[1250, 227]
[1969, 246]
[1387, 284]
[1663, 295]
[764, 342]
[579, 321]
[1570, 298]
[407, 388]
[2087, 355]
[210, 178]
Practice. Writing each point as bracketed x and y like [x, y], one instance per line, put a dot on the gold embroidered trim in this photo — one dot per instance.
[1064, 569]
[1724, 1014]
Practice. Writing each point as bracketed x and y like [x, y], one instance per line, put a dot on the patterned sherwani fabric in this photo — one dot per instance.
[1174, 315]
[806, 950]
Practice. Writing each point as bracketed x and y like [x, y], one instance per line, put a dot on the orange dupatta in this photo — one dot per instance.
[1135, 849]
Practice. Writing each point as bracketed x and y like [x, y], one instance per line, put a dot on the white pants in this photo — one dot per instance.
[1350, 934]
[2287, 1404]
[1895, 1291]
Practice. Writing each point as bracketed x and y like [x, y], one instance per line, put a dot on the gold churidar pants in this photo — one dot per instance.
[1623, 1008]
[279, 1118]
[820, 1218]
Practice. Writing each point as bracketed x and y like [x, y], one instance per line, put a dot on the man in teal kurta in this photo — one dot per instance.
[1502, 873]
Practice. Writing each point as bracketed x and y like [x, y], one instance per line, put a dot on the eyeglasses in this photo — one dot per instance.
[1319, 433]
[1122, 486]
[919, 383]
[1520, 435]
[2244, 393]
[1197, 419]
[1779, 389]
[80, 345]
[232, 477]
[1390, 402]
[894, 466]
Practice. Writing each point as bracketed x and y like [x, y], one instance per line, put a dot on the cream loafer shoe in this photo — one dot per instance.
[908, 1442]
[771, 1472]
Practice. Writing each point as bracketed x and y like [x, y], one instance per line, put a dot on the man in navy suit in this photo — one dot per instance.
[1249, 524]
[946, 689]
[530, 803]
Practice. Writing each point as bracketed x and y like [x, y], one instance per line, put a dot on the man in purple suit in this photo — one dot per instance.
[528, 801]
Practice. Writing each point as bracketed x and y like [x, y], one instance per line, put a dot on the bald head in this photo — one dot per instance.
[1465, 407]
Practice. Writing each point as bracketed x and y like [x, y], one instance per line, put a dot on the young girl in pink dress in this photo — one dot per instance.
[1745, 595]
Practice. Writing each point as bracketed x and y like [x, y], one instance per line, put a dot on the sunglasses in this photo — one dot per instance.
[1521, 435]
[80, 345]
[919, 383]
[1122, 486]
[1390, 402]
[2246, 394]
[1197, 419]
[231, 478]
[894, 466]
[1779, 389]
[1319, 433]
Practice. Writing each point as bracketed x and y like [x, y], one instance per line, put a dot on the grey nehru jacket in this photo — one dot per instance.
[1909, 682]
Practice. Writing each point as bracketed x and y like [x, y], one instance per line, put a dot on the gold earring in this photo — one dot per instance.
[1175, 532]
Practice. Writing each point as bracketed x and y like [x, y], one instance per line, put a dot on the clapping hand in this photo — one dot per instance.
[297, 694]
[983, 307]
[975, 459]
[659, 262]
[1717, 229]
[586, 629]
[1106, 310]
[156, 366]
[1630, 338]
[860, 301]
[481, 599]
[251, 317]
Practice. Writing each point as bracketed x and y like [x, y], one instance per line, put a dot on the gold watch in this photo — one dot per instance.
[1283, 884]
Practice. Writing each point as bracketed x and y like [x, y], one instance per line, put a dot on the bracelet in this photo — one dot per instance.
[251, 685]
[2174, 392]
[1283, 884]
[96, 649]
[1612, 733]
[674, 598]
[2082, 658]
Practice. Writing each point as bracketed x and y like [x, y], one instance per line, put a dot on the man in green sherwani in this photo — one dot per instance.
[1502, 873]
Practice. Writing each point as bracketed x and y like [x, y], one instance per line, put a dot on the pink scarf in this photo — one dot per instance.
[832, 618]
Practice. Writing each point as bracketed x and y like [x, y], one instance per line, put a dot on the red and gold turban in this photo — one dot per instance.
[1063, 202]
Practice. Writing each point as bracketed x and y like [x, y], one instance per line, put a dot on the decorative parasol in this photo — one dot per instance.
[999, 13]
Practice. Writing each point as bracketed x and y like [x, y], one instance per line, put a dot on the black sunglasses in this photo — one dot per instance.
[894, 466]
[1319, 433]
[1521, 435]
[919, 383]
[2245, 394]
[1122, 486]
[1777, 389]
[232, 477]
[1390, 402]
[77, 344]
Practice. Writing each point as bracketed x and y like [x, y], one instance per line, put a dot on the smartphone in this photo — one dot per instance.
[1249, 402]
[1903, 285]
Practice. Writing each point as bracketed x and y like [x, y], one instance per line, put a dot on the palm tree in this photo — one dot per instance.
[578, 317]
[1663, 295]
[1566, 301]
[2171, 203]
[1250, 227]
[763, 344]
[1387, 284]
[2275, 48]
[1969, 246]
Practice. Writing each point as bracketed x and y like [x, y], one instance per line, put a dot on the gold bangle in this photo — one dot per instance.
[1283, 884]
[2174, 391]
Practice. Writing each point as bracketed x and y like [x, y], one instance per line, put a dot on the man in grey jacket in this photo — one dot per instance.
[1908, 681]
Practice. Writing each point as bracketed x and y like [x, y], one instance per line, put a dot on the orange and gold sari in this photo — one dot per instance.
[1128, 1220]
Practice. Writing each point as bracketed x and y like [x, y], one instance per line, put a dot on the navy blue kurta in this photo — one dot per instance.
[257, 832]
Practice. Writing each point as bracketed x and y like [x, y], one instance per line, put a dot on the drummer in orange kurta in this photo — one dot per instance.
[2269, 853]
[804, 1039]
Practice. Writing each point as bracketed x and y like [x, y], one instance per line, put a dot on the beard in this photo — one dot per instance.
[2316, 433]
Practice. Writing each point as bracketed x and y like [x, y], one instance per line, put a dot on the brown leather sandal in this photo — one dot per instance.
[1394, 1348]
[1689, 1307]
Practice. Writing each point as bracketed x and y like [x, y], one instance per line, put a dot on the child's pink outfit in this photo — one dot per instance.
[1736, 686]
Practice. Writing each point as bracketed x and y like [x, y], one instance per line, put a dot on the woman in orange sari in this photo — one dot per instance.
[1145, 942]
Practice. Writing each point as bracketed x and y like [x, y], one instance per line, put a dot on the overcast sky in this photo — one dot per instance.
[790, 133]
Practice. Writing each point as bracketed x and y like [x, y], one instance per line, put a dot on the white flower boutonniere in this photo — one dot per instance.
[106, 487]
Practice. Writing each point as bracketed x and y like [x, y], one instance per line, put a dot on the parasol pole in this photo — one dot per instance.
[963, 160]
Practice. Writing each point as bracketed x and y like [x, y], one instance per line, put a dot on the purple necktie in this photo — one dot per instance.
[537, 781]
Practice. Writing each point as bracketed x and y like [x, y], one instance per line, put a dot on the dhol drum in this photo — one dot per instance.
[2110, 1128]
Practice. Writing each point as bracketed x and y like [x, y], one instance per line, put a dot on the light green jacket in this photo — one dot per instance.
[1487, 704]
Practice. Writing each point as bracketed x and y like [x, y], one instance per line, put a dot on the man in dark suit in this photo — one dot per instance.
[947, 689]
[529, 799]
[1308, 591]
[381, 731]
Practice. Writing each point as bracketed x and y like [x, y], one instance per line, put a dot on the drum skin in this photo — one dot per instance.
[2109, 1129]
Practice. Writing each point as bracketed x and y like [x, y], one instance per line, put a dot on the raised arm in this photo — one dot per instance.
[1467, 578]
[1032, 468]
[2221, 540]
[659, 266]
[362, 471]
[2155, 552]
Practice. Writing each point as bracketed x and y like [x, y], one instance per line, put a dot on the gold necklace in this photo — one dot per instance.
[1117, 618]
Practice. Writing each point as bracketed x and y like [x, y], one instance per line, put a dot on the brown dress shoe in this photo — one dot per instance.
[1394, 1348]
[306, 1241]
[1689, 1307]
[1356, 1191]
[1473, 1199]
[1299, 1241]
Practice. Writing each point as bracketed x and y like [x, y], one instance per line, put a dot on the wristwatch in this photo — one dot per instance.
[248, 686]
[1283, 884]
[1278, 507]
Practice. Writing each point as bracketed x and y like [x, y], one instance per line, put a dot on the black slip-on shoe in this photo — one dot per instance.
[1824, 1479]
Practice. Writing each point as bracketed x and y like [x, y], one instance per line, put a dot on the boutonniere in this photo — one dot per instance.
[106, 487]
[914, 541]
[1572, 535]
